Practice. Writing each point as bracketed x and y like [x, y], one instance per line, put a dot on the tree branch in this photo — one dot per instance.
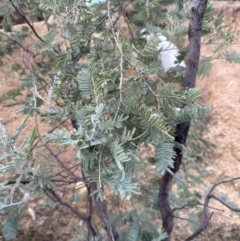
[54, 196]
[26, 20]
[104, 216]
[224, 203]
[207, 217]
[194, 205]
[21, 14]
[62, 165]
[26, 49]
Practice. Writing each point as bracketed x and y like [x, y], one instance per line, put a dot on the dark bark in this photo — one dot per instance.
[194, 34]
[165, 185]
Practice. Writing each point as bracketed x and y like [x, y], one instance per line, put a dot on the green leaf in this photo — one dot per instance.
[47, 44]
[150, 49]
[134, 230]
[204, 67]
[164, 156]
[40, 182]
[119, 154]
[232, 57]
[10, 226]
[191, 112]
[85, 84]
[34, 136]
[161, 237]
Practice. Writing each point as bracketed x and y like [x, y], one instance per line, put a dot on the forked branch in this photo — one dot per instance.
[207, 216]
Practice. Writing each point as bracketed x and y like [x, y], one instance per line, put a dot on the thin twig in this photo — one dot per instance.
[122, 54]
[124, 16]
[187, 219]
[224, 203]
[194, 205]
[51, 131]
[3, 205]
[54, 196]
[62, 164]
[26, 49]
[222, 182]
[21, 14]
[26, 20]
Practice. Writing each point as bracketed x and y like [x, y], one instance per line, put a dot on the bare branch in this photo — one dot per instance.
[62, 165]
[26, 20]
[11, 204]
[201, 229]
[187, 219]
[54, 196]
[21, 14]
[222, 182]
[26, 49]
[207, 217]
[194, 205]
[224, 203]
[64, 181]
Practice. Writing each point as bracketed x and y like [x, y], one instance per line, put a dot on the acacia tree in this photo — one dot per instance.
[85, 71]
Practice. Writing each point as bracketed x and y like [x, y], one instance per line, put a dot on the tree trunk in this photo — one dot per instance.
[194, 33]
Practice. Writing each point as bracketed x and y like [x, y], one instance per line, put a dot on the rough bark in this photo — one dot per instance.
[195, 28]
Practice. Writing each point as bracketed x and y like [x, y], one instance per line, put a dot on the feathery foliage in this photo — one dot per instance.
[83, 70]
